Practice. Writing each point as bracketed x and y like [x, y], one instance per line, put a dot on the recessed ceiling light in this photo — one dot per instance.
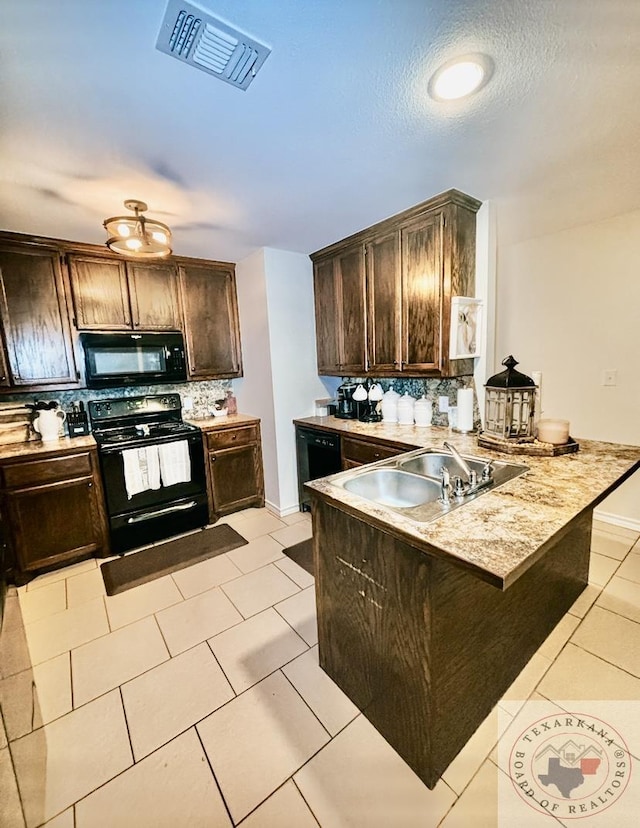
[460, 77]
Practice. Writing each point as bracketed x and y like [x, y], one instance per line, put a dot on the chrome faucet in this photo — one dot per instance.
[471, 474]
[445, 486]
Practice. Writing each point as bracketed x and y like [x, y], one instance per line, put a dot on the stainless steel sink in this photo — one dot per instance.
[430, 465]
[431, 462]
[390, 487]
[413, 487]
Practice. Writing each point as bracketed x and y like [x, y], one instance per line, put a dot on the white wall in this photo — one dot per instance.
[485, 290]
[254, 391]
[280, 383]
[569, 306]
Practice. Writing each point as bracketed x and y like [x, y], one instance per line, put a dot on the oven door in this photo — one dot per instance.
[113, 476]
[153, 514]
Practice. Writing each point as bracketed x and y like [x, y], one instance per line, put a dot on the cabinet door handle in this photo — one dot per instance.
[90, 484]
[2, 378]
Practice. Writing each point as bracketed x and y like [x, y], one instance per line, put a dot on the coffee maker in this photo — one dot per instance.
[346, 408]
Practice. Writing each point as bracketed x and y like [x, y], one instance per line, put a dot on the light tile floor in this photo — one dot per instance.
[197, 700]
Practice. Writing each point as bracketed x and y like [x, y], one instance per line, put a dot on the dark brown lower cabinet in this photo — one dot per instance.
[424, 648]
[53, 508]
[234, 468]
[358, 452]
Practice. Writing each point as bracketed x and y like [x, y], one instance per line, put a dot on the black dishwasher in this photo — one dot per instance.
[318, 454]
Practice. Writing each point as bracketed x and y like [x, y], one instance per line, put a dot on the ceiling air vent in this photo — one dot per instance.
[208, 43]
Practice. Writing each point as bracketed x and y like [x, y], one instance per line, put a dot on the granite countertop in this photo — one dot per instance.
[502, 533]
[228, 421]
[62, 444]
[65, 444]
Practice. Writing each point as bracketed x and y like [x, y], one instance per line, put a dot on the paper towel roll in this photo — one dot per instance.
[465, 409]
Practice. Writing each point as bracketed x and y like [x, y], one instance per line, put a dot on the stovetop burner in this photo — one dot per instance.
[137, 420]
[142, 432]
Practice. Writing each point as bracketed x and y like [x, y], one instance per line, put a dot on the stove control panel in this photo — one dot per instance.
[132, 406]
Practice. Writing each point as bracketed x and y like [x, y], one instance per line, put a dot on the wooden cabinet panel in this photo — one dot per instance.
[234, 479]
[326, 305]
[53, 523]
[114, 295]
[415, 262]
[421, 293]
[383, 290]
[153, 289]
[34, 316]
[351, 312]
[44, 471]
[230, 437]
[359, 452]
[100, 293]
[53, 509]
[235, 474]
[211, 321]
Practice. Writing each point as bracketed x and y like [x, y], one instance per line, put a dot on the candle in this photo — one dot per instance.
[465, 409]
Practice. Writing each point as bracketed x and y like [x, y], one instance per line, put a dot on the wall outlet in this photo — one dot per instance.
[443, 404]
[610, 376]
[187, 403]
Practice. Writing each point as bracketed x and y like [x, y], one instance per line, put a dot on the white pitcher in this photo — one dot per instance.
[48, 423]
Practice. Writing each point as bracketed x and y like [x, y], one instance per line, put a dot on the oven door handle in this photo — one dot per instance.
[182, 507]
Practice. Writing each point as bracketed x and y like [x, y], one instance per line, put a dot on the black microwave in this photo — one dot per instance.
[117, 359]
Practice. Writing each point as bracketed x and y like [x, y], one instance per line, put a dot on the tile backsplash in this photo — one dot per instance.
[202, 394]
[432, 389]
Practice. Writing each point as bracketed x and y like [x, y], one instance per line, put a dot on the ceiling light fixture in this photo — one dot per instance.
[136, 235]
[460, 77]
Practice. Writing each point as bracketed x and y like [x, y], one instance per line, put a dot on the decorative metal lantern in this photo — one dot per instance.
[509, 406]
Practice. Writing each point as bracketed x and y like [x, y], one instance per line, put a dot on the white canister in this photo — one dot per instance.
[390, 406]
[406, 405]
[423, 411]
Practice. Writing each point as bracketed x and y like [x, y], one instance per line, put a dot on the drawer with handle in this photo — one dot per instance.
[358, 452]
[228, 437]
[30, 472]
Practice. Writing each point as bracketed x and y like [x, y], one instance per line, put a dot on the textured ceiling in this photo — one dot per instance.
[336, 131]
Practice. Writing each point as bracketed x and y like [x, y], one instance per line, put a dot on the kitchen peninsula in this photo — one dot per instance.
[425, 625]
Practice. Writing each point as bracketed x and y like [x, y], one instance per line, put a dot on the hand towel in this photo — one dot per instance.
[175, 463]
[141, 470]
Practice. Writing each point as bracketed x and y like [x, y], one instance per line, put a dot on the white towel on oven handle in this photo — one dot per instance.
[141, 469]
[175, 462]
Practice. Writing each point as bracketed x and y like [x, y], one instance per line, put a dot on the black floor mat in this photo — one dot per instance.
[148, 564]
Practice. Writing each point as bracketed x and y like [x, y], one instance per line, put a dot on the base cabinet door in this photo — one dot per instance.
[53, 510]
[53, 523]
[234, 479]
[235, 475]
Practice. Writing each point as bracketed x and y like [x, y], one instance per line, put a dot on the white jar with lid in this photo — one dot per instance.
[390, 406]
[423, 411]
[406, 405]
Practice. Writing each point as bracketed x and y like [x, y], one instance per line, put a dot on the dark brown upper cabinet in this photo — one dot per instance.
[211, 327]
[396, 321]
[114, 295]
[339, 285]
[384, 296]
[35, 322]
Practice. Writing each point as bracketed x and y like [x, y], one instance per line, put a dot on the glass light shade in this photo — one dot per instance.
[460, 77]
[137, 235]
